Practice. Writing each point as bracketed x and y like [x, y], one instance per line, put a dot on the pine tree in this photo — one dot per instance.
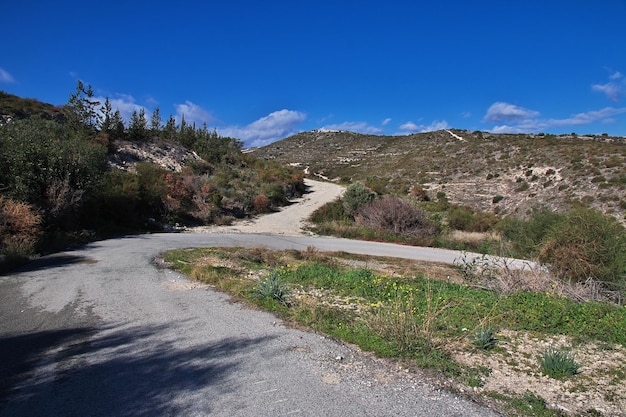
[117, 125]
[169, 131]
[107, 117]
[155, 122]
[81, 110]
[138, 128]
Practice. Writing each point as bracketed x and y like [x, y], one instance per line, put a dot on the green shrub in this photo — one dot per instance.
[523, 187]
[525, 236]
[118, 198]
[355, 197]
[586, 244]
[36, 154]
[275, 193]
[466, 219]
[333, 211]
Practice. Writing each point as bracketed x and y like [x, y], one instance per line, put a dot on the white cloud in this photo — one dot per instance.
[267, 129]
[193, 114]
[507, 129]
[536, 125]
[506, 112]
[5, 77]
[614, 89]
[410, 127]
[358, 127]
[386, 121]
[588, 117]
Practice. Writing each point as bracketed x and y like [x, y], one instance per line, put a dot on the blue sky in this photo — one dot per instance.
[260, 71]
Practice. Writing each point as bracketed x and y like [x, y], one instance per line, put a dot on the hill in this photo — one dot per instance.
[75, 173]
[500, 173]
[13, 107]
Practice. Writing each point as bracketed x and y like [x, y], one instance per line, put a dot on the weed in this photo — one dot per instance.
[484, 339]
[272, 287]
[559, 363]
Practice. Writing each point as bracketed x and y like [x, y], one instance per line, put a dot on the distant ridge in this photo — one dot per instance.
[502, 173]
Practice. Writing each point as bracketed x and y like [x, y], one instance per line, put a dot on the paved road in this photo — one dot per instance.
[101, 331]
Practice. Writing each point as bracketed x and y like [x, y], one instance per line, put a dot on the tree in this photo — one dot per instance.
[82, 110]
[155, 122]
[117, 125]
[138, 128]
[169, 131]
[107, 116]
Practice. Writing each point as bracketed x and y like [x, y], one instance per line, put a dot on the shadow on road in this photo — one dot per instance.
[20, 353]
[114, 372]
[51, 261]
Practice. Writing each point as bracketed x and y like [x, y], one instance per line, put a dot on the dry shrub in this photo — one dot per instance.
[263, 255]
[505, 275]
[397, 216]
[261, 203]
[418, 193]
[61, 198]
[311, 253]
[20, 227]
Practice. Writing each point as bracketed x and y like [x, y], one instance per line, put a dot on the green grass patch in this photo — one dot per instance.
[410, 316]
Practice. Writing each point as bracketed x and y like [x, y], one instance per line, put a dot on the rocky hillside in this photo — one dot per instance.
[505, 174]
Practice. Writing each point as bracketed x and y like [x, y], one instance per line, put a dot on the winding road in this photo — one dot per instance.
[103, 331]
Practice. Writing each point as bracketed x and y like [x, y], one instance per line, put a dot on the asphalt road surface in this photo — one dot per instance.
[103, 331]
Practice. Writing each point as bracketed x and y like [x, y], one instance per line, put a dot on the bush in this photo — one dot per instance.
[397, 216]
[329, 212]
[261, 203]
[466, 219]
[356, 196]
[525, 236]
[37, 154]
[20, 227]
[275, 193]
[586, 244]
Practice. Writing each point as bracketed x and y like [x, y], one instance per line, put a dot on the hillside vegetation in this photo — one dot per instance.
[503, 174]
[556, 200]
[79, 172]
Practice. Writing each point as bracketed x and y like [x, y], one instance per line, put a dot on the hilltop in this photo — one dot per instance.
[500, 173]
[13, 107]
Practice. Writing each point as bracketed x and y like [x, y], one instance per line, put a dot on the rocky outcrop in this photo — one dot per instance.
[170, 156]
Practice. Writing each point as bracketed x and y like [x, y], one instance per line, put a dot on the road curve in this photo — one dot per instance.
[102, 331]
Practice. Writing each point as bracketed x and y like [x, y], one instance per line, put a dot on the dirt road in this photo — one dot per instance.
[291, 219]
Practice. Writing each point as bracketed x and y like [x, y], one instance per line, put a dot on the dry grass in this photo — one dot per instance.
[20, 227]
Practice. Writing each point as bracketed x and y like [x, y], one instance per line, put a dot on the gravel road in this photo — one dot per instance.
[103, 331]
